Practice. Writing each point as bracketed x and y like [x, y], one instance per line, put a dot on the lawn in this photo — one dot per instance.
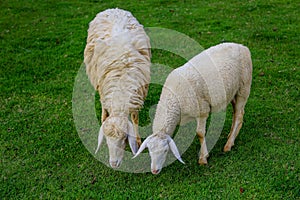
[42, 155]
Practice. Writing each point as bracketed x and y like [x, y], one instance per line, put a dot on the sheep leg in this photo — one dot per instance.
[238, 112]
[104, 115]
[135, 121]
[201, 123]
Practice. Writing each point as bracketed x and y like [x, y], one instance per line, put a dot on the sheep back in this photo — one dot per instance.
[206, 83]
[117, 58]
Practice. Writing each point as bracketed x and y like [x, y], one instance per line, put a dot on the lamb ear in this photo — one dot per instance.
[100, 139]
[174, 149]
[142, 147]
[131, 139]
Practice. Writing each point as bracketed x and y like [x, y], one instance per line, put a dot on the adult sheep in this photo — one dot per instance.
[207, 83]
[117, 58]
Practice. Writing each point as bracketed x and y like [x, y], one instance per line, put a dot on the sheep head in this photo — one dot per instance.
[158, 146]
[116, 130]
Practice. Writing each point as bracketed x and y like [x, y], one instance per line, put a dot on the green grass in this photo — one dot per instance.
[42, 156]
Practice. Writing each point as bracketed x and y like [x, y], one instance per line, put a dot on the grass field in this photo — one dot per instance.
[42, 156]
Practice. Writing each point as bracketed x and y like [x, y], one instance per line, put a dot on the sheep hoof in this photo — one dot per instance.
[227, 148]
[202, 161]
[139, 142]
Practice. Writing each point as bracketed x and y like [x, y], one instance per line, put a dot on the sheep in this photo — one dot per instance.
[117, 58]
[206, 84]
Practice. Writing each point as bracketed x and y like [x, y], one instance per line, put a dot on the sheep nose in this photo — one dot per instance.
[114, 164]
[155, 171]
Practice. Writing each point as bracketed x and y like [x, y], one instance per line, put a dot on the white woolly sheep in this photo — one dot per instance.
[117, 58]
[207, 83]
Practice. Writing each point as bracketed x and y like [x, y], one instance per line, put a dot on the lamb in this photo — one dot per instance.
[117, 58]
[207, 83]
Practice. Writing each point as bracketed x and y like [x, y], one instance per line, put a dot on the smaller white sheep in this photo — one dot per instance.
[207, 83]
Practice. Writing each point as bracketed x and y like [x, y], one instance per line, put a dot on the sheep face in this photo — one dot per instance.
[159, 146]
[116, 130]
[116, 148]
[158, 150]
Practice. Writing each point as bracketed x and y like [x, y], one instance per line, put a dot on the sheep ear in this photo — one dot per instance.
[142, 147]
[131, 139]
[174, 149]
[100, 139]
